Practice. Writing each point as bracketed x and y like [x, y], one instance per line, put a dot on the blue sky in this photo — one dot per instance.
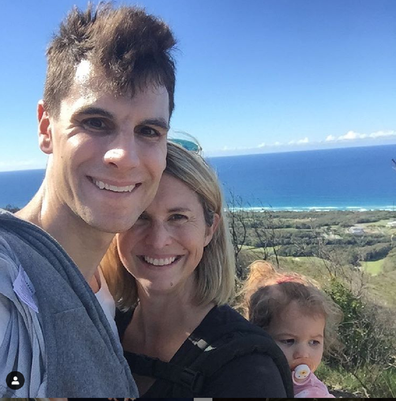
[253, 76]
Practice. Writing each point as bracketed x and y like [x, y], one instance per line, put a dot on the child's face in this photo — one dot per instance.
[299, 336]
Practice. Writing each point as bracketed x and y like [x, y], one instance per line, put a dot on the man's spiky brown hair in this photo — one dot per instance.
[130, 47]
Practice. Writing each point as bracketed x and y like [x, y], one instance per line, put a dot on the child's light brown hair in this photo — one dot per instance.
[267, 293]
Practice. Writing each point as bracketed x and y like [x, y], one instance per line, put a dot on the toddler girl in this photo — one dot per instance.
[300, 317]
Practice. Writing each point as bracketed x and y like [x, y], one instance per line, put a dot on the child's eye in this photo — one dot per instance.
[287, 341]
[314, 343]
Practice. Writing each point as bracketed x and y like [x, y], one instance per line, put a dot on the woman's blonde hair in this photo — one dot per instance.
[268, 292]
[215, 273]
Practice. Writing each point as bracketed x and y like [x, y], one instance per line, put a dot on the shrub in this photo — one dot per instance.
[365, 335]
[12, 209]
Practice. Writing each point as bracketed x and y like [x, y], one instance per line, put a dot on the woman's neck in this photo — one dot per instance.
[161, 324]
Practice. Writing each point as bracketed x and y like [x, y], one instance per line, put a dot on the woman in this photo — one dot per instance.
[173, 274]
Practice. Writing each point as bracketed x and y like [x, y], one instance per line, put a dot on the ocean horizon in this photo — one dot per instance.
[356, 179]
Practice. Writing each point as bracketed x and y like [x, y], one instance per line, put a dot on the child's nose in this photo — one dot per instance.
[301, 351]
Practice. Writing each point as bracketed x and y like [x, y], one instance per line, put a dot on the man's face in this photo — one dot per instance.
[107, 153]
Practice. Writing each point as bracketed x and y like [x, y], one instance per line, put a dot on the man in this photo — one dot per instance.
[103, 122]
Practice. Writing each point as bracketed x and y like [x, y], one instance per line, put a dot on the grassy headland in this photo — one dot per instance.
[353, 256]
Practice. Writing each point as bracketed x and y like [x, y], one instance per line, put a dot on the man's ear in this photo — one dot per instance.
[211, 230]
[44, 129]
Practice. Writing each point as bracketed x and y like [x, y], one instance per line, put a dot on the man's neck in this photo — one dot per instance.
[84, 244]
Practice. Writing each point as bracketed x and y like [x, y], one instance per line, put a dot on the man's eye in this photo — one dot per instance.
[94, 123]
[148, 132]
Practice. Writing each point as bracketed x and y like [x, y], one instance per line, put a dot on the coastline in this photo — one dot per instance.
[363, 208]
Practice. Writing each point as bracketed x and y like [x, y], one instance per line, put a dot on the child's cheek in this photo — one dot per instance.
[287, 351]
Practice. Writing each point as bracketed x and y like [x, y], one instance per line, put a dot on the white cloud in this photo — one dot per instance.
[22, 165]
[354, 136]
[347, 139]
[299, 142]
[349, 136]
[305, 140]
[236, 148]
[380, 134]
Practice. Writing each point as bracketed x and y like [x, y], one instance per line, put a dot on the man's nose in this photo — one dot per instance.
[123, 153]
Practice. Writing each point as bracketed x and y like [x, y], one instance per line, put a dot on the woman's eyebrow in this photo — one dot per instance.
[179, 209]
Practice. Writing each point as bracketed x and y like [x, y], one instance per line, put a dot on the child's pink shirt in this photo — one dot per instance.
[311, 387]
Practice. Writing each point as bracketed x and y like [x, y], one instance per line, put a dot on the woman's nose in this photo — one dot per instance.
[158, 236]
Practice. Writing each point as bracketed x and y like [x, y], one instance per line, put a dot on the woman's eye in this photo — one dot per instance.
[178, 217]
[143, 217]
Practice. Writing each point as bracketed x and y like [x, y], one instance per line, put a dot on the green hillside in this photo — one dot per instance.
[353, 257]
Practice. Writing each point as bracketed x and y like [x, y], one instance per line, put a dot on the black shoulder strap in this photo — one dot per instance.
[190, 381]
[122, 320]
[214, 359]
[224, 344]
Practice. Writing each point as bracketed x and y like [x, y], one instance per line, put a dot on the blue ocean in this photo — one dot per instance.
[361, 178]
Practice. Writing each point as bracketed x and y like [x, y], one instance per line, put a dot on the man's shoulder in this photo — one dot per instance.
[7, 254]
[6, 215]
[9, 223]
[10, 227]
[21, 235]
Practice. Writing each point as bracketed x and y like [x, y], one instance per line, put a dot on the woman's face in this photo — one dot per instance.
[166, 243]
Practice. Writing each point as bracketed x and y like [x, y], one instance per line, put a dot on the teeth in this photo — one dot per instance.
[159, 262]
[113, 188]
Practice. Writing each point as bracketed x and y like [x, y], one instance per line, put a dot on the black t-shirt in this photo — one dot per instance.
[248, 376]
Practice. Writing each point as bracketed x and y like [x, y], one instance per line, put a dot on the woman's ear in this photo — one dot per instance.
[44, 129]
[211, 230]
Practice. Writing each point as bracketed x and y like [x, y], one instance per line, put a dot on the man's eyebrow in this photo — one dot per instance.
[89, 110]
[158, 122]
